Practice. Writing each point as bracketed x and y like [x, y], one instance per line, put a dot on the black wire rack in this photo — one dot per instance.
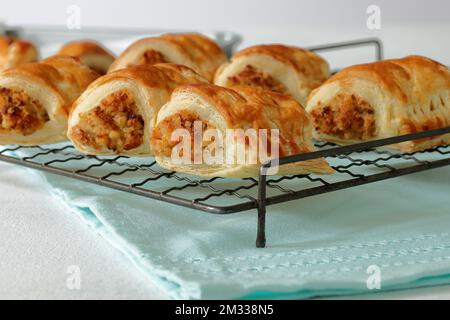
[355, 165]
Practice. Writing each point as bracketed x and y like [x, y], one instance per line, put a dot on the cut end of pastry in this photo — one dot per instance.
[19, 113]
[114, 125]
[381, 100]
[347, 117]
[91, 53]
[193, 50]
[283, 69]
[117, 113]
[211, 131]
[150, 57]
[185, 120]
[250, 76]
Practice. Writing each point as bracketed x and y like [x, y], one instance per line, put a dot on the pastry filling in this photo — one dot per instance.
[115, 124]
[252, 77]
[347, 117]
[19, 113]
[162, 135]
[152, 57]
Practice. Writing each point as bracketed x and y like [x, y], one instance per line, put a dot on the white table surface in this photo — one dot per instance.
[40, 238]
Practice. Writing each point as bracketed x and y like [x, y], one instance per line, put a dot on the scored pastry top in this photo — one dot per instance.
[15, 51]
[194, 50]
[90, 53]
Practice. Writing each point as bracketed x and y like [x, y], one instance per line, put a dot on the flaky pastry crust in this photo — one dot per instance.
[242, 107]
[196, 51]
[90, 53]
[116, 114]
[284, 69]
[41, 91]
[384, 99]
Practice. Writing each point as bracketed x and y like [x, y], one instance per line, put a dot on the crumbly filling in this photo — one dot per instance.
[152, 57]
[347, 117]
[19, 113]
[162, 134]
[115, 124]
[252, 77]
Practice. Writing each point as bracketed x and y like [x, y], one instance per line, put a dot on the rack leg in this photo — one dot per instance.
[261, 232]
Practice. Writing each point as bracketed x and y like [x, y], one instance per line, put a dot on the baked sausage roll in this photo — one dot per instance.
[90, 53]
[14, 52]
[230, 113]
[283, 69]
[196, 51]
[384, 99]
[35, 99]
[117, 112]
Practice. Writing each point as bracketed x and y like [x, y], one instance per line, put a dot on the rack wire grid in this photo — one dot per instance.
[355, 165]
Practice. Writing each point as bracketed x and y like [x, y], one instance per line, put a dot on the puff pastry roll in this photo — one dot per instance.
[241, 108]
[90, 53]
[384, 99]
[283, 69]
[14, 52]
[35, 99]
[196, 51]
[117, 112]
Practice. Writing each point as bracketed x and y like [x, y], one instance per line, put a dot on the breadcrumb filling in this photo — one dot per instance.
[252, 77]
[152, 57]
[162, 134]
[347, 117]
[19, 113]
[115, 124]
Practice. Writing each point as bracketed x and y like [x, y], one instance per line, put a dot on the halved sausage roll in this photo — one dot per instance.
[384, 99]
[90, 53]
[283, 69]
[14, 52]
[35, 99]
[196, 51]
[116, 114]
[230, 113]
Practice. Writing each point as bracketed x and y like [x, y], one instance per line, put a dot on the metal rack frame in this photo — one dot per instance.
[39, 34]
[247, 194]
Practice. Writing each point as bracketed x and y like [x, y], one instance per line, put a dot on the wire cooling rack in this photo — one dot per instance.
[354, 165]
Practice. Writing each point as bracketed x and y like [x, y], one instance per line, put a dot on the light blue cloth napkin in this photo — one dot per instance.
[317, 246]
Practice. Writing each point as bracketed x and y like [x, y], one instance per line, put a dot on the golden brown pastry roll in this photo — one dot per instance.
[196, 51]
[384, 99]
[90, 53]
[283, 69]
[116, 114]
[35, 99]
[14, 52]
[230, 113]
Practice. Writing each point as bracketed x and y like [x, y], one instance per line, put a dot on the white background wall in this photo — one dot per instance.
[224, 14]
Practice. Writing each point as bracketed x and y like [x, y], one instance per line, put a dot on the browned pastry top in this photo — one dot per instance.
[399, 76]
[252, 107]
[302, 60]
[83, 47]
[15, 51]
[165, 75]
